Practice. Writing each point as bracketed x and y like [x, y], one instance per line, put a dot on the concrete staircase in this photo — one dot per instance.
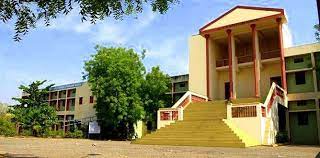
[203, 125]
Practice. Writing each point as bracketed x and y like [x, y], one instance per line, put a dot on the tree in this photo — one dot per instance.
[317, 33]
[3, 108]
[34, 113]
[115, 76]
[154, 87]
[27, 13]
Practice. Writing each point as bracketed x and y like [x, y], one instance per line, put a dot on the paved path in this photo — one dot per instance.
[42, 147]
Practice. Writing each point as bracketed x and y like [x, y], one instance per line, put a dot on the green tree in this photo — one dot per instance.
[3, 108]
[27, 13]
[317, 33]
[115, 76]
[33, 113]
[153, 94]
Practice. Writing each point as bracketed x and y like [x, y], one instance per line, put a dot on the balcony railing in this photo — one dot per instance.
[222, 62]
[245, 59]
[270, 54]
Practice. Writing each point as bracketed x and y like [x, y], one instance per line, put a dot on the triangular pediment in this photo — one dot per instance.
[240, 14]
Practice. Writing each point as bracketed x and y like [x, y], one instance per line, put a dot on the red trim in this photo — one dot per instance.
[240, 23]
[243, 7]
[207, 64]
[196, 99]
[283, 69]
[230, 62]
[254, 51]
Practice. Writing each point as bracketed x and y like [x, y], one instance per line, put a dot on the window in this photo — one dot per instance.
[300, 78]
[182, 85]
[303, 118]
[91, 99]
[302, 103]
[298, 60]
[80, 100]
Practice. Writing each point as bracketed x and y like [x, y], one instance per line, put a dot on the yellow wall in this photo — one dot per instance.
[86, 109]
[245, 83]
[197, 65]
[223, 76]
[267, 71]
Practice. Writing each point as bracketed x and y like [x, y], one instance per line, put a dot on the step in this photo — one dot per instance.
[227, 138]
[195, 135]
[191, 143]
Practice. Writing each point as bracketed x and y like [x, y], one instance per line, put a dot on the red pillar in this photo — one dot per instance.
[283, 69]
[207, 64]
[230, 62]
[254, 49]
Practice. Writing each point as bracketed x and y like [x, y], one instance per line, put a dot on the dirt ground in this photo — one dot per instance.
[82, 148]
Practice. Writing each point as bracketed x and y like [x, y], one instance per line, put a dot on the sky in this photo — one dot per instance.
[57, 53]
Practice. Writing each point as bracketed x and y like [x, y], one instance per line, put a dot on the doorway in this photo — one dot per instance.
[276, 80]
[282, 118]
[227, 90]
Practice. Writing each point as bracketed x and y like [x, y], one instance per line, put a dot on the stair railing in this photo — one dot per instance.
[166, 116]
[276, 95]
[261, 113]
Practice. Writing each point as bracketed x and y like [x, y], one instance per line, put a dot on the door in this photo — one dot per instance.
[282, 118]
[227, 90]
[276, 80]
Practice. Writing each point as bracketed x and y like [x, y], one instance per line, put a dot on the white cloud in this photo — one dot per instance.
[287, 36]
[125, 32]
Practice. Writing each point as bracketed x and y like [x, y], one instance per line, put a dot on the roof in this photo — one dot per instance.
[302, 49]
[67, 86]
[241, 14]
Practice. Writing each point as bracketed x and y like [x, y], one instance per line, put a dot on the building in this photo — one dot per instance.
[246, 87]
[72, 102]
[179, 86]
[303, 79]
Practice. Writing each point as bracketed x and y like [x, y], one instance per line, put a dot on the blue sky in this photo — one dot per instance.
[57, 53]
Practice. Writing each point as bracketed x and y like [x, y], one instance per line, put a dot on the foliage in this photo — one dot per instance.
[115, 76]
[154, 87]
[33, 113]
[75, 134]
[282, 137]
[27, 13]
[3, 108]
[317, 33]
[7, 128]
[53, 133]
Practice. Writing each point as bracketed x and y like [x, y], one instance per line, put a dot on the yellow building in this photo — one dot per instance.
[238, 93]
[72, 102]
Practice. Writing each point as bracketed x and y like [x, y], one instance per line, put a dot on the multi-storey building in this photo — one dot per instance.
[302, 69]
[179, 86]
[251, 86]
[72, 102]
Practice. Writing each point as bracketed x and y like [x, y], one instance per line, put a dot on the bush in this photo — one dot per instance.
[75, 134]
[282, 137]
[54, 134]
[7, 128]
[26, 132]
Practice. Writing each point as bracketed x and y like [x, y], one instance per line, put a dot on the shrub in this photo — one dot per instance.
[7, 128]
[53, 134]
[282, 137]
[26, 132]
[75, 134]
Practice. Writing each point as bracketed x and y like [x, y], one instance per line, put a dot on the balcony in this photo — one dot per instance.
[245, 59]
[222, 62]
[270, 54]
[71, 93]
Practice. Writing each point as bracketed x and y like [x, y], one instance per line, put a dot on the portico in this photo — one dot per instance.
[244, 54]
